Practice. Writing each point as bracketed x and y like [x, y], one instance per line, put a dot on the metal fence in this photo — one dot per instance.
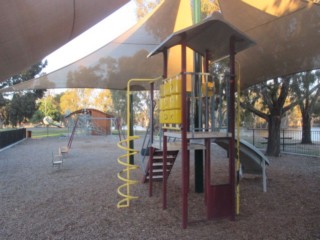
[9, 137]
[290, 140]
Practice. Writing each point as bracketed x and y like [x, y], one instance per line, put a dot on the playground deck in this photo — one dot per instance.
[78, 201]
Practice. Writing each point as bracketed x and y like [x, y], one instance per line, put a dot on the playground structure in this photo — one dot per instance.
[87, 122]
[188, 106]
[91, 122]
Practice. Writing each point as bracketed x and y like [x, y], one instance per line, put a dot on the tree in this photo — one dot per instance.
[23, 105]
[273, 94]
[119, 99]
[306, 88]
[48, 106]
[145, 6]
[3, 113]
[70, 101]
[103, 101]
[208, 7]
[26, 75]
[21, 108]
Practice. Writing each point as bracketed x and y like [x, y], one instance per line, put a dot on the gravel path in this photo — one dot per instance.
[79, 200]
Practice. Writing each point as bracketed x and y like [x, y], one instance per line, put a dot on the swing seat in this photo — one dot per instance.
[57, 160]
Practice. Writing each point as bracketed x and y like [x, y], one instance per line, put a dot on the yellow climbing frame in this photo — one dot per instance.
[124, 159]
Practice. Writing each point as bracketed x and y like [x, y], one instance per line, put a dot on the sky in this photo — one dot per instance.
[94, 38]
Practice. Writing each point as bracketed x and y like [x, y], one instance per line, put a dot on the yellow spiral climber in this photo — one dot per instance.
[124, 175]
[124, 189]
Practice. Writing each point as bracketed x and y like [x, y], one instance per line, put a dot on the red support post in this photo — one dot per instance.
[164, 156]
[185, 162]
[151, 150]
[207, 175]
[164, 170]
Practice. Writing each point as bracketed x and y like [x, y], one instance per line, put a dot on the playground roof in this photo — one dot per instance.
[30, 30]
[124, 57]
[211, 35]
[286, 34]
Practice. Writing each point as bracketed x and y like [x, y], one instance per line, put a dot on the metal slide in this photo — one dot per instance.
[252, 160]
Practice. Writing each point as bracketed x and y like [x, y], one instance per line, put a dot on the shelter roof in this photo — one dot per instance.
[111, 66]
[30, 30]
[286, 34]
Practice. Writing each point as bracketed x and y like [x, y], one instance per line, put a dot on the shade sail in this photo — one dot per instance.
[32, 29]
[123, 58]
[287, 34]
[212, 35]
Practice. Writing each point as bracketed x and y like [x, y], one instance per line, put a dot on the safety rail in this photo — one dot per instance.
[205, 99]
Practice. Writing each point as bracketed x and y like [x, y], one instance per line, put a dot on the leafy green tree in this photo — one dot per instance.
[21, 108]
[119, 99]
[3, 112]
[15, 110]
[23, 105]
[48, 106]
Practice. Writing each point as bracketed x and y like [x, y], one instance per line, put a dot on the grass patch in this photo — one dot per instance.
[50, 132]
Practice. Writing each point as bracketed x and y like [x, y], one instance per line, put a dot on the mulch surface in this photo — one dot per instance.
[79, 200]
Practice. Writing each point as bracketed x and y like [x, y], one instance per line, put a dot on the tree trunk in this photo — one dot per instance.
[306, 128]
[273, 147]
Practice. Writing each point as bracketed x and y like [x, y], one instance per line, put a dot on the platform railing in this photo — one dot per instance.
[206, 103]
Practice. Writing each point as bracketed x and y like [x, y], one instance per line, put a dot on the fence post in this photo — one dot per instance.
[283, 139]
[253, 137]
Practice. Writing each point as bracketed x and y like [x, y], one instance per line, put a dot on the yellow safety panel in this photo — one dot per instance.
[176, 86]
[175, 101]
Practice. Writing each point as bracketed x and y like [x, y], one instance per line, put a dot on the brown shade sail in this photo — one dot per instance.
[32, 29]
